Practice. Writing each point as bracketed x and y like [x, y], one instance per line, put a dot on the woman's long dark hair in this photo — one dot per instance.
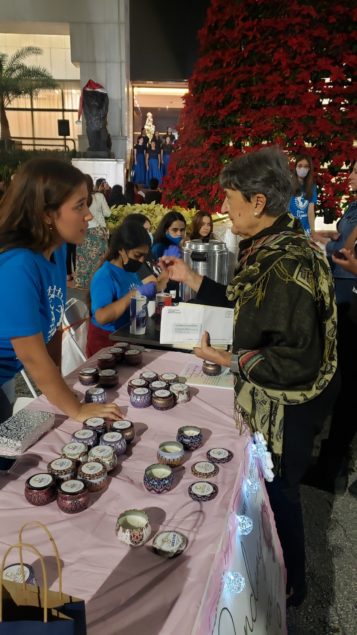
[130, 192]
[197, 224]
[308, 181]
[136, 217]
[129, 235]
[39, 187]
[165, 223]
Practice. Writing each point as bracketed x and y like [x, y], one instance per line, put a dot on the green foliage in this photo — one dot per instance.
[153, 211]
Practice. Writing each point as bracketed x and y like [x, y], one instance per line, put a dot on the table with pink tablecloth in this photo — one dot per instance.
[133, 590]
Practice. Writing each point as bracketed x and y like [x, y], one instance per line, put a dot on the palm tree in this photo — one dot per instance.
[17, 79]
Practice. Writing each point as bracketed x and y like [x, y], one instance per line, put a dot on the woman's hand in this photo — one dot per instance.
[162, 280]
[179, 271]
[106, 411]
[211, 354]
[319, 237]
[350, 263]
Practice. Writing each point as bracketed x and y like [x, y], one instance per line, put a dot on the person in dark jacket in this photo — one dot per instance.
[283, 356]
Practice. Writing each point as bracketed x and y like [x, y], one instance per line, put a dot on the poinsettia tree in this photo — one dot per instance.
[268, 72]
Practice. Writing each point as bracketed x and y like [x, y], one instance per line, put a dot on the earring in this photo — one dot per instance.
[255, 213]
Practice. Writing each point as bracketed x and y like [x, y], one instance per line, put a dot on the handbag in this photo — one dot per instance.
[27, 608]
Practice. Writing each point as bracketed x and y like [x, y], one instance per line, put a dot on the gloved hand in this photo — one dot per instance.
[148, 290]
[173, 250]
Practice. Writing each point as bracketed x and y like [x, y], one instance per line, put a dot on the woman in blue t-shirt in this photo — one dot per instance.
[115, 281]
[169, 235]
[302, 203]
[45, 207]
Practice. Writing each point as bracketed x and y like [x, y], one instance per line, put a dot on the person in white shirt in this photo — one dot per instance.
[92, 250]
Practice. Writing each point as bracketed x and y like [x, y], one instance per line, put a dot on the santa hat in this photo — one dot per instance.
[90, 85]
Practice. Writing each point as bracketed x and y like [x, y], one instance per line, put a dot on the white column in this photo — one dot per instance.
[102, 51]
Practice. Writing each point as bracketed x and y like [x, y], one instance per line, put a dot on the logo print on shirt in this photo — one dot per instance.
[56, 305]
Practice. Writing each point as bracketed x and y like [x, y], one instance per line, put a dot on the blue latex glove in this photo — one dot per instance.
[173, 250]
[148, 290]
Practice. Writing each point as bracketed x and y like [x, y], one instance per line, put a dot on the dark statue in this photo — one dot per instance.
[95, 110]
[94, 103]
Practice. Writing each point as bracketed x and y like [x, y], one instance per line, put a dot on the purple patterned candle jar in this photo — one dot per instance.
[140, 398]
[133, 527]
[73, 496]
[40, 489]
[123, 345]
[114, 440]
[88, 376]
[86, 436]
[204, 469]
[106, 360]
[105, 455]
[202, 491]
[181, 392]
[62, 469]
[95, 395]
[108, 378]
[158, 478]
[149, 376]
[133, 357]
[158, 385]
[117, 352]
[171, 453]
[190, 437]
[94, 475]
[169, 378]
[163, 399]
[97, 424]
[75, 451]
[126, 428]
[136, 383]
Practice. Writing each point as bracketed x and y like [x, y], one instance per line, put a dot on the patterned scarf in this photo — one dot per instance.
[262, 263]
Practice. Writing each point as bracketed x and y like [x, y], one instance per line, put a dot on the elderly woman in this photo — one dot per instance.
[284, 340]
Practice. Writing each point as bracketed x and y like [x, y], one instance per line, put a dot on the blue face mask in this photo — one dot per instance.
[175, 240]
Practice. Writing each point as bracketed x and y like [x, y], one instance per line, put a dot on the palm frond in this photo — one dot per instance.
[20, 55]
[18, 79]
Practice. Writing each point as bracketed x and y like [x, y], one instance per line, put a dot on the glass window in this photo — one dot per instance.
[71, 98]
[20, 124]
[48, 99]
[21, 102]
[45, 124]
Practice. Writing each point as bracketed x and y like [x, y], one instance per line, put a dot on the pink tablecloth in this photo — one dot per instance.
[130, 590]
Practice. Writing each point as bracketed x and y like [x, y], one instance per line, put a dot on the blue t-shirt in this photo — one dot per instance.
[33, 297]
[299, 205]
[110, 283]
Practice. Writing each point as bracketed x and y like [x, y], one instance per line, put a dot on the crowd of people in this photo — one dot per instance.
[294, 308]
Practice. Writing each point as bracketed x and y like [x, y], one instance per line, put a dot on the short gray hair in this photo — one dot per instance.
[265, 171]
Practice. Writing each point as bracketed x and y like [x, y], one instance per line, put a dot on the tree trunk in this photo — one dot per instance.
[4, 122]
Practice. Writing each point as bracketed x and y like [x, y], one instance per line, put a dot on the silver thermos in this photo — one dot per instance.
[208, 259]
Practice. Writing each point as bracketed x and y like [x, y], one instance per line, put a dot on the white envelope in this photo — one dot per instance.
[185, 323]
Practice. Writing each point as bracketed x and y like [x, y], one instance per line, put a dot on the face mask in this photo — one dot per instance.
[175, 240]
[132, 266]
[302, 172]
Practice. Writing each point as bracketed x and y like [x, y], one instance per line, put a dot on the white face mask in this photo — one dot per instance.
[302, 172]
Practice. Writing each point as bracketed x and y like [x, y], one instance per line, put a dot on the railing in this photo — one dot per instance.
[45, 142]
